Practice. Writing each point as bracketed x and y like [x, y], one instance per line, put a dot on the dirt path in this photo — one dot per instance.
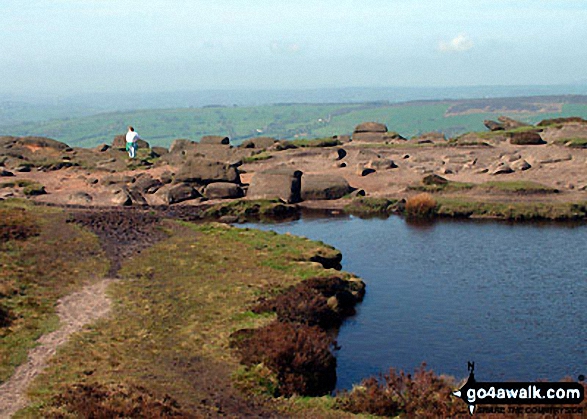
[75, 311]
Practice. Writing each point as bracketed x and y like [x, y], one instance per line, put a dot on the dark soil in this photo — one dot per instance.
[122, 232]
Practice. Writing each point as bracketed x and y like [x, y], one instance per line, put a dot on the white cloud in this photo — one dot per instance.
[459, 43]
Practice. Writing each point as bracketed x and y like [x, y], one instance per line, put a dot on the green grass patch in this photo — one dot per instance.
[35, 271]
[370, 206]
[174, 312]
[257, 157]
[459, 208]
[450, 186]
[572, 142]
[519, 187]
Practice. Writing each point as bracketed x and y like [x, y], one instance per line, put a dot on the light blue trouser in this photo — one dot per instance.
[131, 148]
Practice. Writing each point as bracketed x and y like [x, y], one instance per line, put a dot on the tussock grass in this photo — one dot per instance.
[421, 206]
[41, 260]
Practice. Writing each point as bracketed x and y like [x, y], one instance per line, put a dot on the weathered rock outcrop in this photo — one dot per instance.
[172, 194]
[215, 140]
[204, 171]
[223, 190]
[493, 126]
[429, 138]
[525, 138]
[280, 182]
[259, 142]
[370, 131]
[319, 187]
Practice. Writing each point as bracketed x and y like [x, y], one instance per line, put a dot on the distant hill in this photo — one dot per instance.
[287, 121]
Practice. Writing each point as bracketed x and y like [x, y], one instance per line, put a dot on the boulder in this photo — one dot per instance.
[320, 187]
[173, 194]
[145, 183]
[338, 154]
[259, 142]
[509, 123]
[180, 145]
[362, 170]
[79, 198]
[159, 151]
[493, 125]
[223, 190]
[166, 177]
[525, 138]
[393, 136]
[279, 182]
[215, 139]
[204, 171]
[136, 196]
[370, 127]
[521, 165]
[502, 169]
[42, 142]
[563, 121]
[370, 132]
[101, 148]
[381, 164]
[5, 173]
[429, 138]
[434, 180]
[121, 197]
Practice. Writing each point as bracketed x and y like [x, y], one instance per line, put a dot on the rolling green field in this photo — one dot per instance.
[286, 121]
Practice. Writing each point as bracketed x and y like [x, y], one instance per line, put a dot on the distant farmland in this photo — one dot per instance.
[288, 121]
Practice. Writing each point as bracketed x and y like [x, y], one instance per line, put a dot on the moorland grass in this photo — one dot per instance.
[519, 187]
[514, 211]
[572, 142]
[36, 270]
[177, 305]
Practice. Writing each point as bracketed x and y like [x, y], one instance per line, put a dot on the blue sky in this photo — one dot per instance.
[74, 46]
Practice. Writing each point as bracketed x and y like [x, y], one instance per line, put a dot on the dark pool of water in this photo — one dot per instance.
[511, 298]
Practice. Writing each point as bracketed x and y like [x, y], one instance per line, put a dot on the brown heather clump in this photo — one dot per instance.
[112, 401]
[298, 354]
[423, 394]
[421, 206]
[16, 224]
[307, 303]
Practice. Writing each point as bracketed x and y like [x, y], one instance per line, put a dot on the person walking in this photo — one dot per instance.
[131, 142]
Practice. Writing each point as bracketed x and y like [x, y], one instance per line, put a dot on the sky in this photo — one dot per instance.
[84, 46]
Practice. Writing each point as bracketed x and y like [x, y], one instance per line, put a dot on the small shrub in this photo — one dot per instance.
[421, 206]
[423, 394]
[34, 190]
[16, 224]
[5, 317]
[311, 303]
[298, 354]
[304, 305]
[112, 401]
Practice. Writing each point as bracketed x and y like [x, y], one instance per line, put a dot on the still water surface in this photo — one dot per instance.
[511, 298]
